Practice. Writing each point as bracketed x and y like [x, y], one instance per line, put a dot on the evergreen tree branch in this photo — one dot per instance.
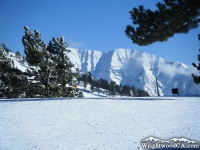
[172, 17]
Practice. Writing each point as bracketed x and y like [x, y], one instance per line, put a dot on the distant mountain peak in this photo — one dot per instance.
[138, 68]
[134, 68]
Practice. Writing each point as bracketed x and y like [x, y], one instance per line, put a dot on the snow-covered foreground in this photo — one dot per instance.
[87, 124]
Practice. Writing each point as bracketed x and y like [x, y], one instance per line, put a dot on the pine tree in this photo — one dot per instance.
[120, 90]
[41, 62]
[134, 91]
[50, 67]
[112, 88]
[142, 93]
[98, 85]
[172, 17]
[126, 90]
[84, 78]
[5, 62]
[92, 87]
[196, 78]
[33, 45]
[65, 76]
[7, 50]
[5, 65]
[10, 77]
[18, 55]
[90, 81]
[103, 83]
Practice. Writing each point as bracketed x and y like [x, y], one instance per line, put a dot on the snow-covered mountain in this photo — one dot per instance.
[138, 68]
[132, 67]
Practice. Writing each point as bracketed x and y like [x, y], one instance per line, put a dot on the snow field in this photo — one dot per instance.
[100, 124]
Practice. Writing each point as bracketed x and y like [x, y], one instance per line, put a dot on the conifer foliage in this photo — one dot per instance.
[63, 68]
[51, 71]
[196, 78]
[170, 18]
[10, 77]
[111, 88]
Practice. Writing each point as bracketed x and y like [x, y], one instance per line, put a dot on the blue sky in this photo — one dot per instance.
[88, 24]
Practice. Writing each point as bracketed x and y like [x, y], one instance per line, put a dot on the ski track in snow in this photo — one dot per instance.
[100, 124]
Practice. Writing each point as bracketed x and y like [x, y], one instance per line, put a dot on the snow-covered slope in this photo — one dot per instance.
[18, 63]
[96, 124]
[132, 67]
[138, 68]
[85, 60]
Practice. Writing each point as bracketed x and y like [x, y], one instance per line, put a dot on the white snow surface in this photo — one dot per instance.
[18, 63]
[100, 123]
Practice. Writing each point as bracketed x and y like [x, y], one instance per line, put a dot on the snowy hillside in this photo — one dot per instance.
[132, 67]
[96, 124]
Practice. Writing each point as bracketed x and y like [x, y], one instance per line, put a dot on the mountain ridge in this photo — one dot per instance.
[134, 68]
[138, 68]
